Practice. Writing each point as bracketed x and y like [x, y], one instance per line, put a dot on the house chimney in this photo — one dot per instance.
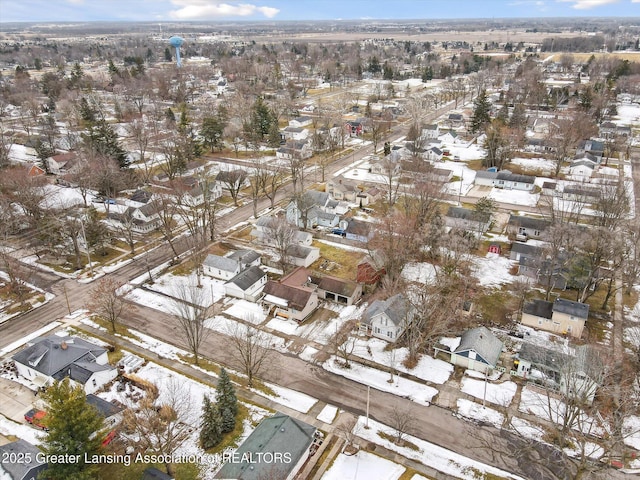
[63, 345]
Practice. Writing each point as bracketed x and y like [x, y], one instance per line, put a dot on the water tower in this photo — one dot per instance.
[177, 42]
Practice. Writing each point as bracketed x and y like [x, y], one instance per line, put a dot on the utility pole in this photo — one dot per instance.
[87, 247]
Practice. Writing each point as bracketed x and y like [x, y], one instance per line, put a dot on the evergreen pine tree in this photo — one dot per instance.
[211, 432]
[226, 394]
[71, 422]
[104, 140]
[481, 109]
[227, 420]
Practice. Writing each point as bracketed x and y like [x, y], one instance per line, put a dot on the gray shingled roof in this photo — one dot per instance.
[221, 263]
[248, 277]
[18, 470]
[539, 308]
[278, 434]
[526, 249]
[244, 256]
[486, 345]
[576, 309]
[395, 307]
[50, 355]
[106, 409]
[529, 222]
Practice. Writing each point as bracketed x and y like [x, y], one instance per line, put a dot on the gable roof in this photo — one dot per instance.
[296, 297]
[529, 222]
[483, 342]
[248, 277]
[526, 249]
[576, 309]
[396, 308]
[221, 263]
[551, 358]
[244, 256]
[21, 469]
[106, 409]
[335, 285]
[278, 434]
[514, 177]
[467, 214]
[539, 308]
[53, 355]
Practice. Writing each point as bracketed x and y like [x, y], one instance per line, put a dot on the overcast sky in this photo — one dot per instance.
[190, 10]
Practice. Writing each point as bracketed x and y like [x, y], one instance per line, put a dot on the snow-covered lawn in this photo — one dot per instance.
[527, 429]
[428, 368]
[429, 454]
[226, 326]
[378, 379]
[469, 409]
[247, 311]
[179, 287]
[535, 164]
[282, 325]
[497, 393]
[328, 414]
[516, 197]
[289, 398]
[493, 270]
[151, 300]
[322, 331]
[61, 197]
[363, 466]
[150, 344]
[631, 431]
[20, 430]
[424, 273]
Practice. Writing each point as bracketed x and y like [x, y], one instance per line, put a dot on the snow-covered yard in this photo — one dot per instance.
[496, 393]
[378, 379]
[475, 411]
[429, 454]
[363, 466]
[328, 414]
[493, 270]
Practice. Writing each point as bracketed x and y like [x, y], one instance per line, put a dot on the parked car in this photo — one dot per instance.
[109, 438]
[339, 231]
[35, 417]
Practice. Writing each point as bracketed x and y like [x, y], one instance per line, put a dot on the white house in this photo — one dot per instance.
[223, 268]
[431, 133]
[301, 121]
[388, 319]
[54, 358]
[247, 285]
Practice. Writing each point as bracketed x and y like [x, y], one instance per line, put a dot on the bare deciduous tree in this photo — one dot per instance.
[108, 302]
[251, 349]
[191, 311]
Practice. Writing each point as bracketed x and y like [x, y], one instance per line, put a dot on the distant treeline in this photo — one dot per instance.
[573, 44]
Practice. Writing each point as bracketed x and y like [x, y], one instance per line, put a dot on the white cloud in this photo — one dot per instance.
[208, 9]
[76, 2]
[587, 4]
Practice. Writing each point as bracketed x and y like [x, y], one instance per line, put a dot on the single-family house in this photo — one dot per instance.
[300, 122]
[561, 316]
[430, 133]
[337, 290]
[353, 128]
[222, 268]
[246, 258]
[295, 133]
[21, 461]
[524, 250]
[247, 284]
[577, 373]
[382, 166]
[298, 149]
[54, 358]
[62, 163]
[264, 232]
[479, 350]
[289, 301]
[141, 220]
[505, 179]
[434, 154]
[315, 208]
[583, 166]
[342, 189]
[388, 319]
[594, 147]
[529, 227]
[277, 448]
[455, 120]
[464, 219]
[357, 230]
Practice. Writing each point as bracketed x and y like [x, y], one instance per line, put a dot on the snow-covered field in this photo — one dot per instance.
[496, 393]
[378, 379]
[469, 409]
[493, 270]
[429, 454]
[184, 288]
[424, 273]
[247, 311]
[328, 414]
[363, 466]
